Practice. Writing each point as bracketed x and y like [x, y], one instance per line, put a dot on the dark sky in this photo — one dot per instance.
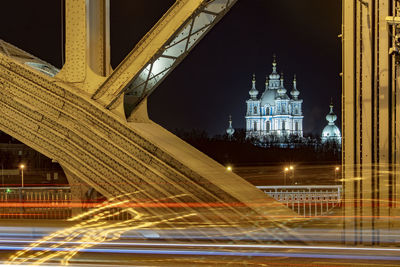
[214, 80]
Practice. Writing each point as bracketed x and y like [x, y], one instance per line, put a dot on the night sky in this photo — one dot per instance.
[214, 80]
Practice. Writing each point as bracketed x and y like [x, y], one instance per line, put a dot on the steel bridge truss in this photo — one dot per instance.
[173, 52]
[75, 117]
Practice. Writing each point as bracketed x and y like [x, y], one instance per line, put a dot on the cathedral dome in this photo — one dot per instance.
[331, 117]
[253, 91]
[295, 93]
[274, 75]
[331, 131]
[282, 89]
[268, 97]
[230, 131]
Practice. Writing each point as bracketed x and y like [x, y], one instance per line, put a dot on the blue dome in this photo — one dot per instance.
[331, 132]
[253, 91]
[268, 97]
[230, 131]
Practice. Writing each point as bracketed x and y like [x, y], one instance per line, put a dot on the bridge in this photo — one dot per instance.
[93, 120]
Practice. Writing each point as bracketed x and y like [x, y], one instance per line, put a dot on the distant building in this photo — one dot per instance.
[331, 132]
[274, 114]
[230, 131]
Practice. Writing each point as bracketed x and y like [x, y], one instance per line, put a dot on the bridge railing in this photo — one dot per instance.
[307, 200]
[46, 203]
[35, 203]
[55, 202]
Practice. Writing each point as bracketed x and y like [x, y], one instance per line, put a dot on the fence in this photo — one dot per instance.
[312, 200]
[55, 202]
[35, 203]
[46, 203]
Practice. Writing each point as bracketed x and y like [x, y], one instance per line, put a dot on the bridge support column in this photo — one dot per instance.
[87, 43]
[371, 136]
[78, 192]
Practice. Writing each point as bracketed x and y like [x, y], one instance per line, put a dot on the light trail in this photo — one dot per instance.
[366, 203]
[216, 253]
[213, 245]
[92, 231]
[64, 244]
[261, 235]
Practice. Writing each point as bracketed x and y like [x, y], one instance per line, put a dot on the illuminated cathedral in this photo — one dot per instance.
[274, 114]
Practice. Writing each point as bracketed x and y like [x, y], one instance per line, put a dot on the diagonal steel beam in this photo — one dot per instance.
[114, 156]
[145, 50]
[140, 161]
[154, 58]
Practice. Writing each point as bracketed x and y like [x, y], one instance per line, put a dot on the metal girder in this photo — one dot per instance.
[87, 43]
[158, 58]
[145, 50]
[28, 59]
[137, 162]
[113, 157]
[370, 118]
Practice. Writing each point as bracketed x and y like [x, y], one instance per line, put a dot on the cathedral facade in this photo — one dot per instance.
[274, 114]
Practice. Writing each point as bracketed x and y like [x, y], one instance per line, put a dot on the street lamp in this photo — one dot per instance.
[229, 168]
[22, 167]
[336, 172]
[285, 170]
[292, 169]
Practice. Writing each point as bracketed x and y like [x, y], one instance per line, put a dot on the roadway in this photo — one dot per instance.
[96, 241]
[193, 247]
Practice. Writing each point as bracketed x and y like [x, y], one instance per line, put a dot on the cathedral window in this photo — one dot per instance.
[283, 125]
[268, 126]
[255, 109]
[267, 112]
[296, 126]
[255, 126]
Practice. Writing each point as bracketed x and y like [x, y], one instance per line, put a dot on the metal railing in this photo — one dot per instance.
[35, 202]
[55, 202]
[307, 200]
[46, 203]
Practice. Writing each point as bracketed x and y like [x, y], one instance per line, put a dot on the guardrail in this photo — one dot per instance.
[55, 202]
[35, 202]
[46, 203]
[307, 200]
